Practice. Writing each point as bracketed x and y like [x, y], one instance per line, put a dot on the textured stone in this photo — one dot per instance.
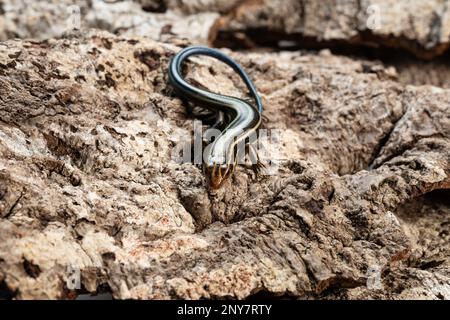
[88, 125]
[43, 19]
[420, 27]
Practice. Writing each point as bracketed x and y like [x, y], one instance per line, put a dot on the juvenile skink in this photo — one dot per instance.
[242, 119]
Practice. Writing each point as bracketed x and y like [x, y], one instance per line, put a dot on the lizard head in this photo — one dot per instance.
[217, 173]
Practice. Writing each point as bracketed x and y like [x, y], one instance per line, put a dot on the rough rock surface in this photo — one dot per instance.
[44, 19]
[376, 27]
[425, 275]
[87, 128]
[420, 27]
[435, 73]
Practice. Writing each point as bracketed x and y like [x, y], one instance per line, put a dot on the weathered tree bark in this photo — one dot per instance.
[413, 72]
[87, 182]
[420, 27]
[426, 273]
[44, 19]
[381, 29]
